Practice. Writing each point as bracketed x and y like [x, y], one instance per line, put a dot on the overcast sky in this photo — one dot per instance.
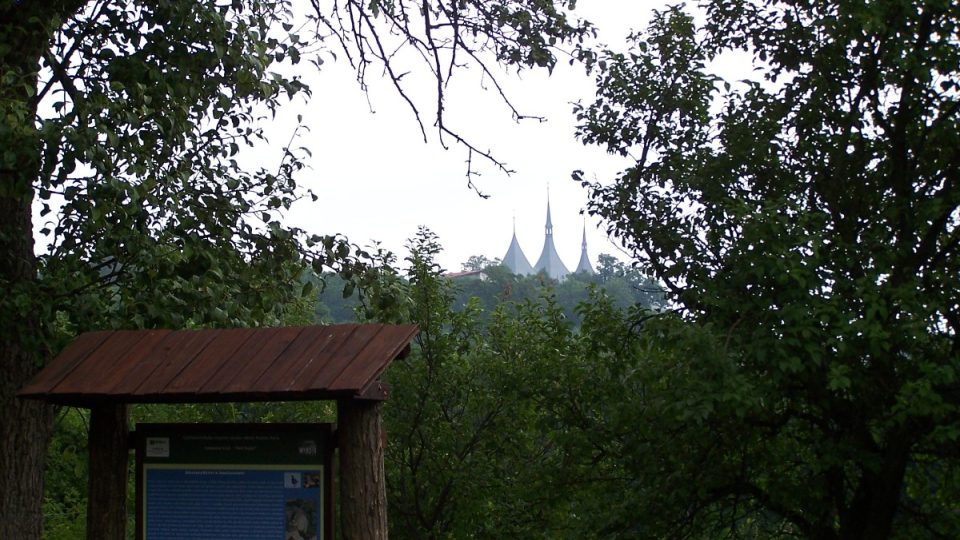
[378, 180]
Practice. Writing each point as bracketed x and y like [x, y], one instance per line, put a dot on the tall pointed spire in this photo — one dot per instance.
[515, 260]
[549, 262]
[549, 230]
[584, 264]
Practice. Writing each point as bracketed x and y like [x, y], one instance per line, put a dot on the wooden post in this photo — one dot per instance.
[363, 492]
[107, 483]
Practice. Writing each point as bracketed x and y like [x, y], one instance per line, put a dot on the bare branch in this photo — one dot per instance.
[444, 33]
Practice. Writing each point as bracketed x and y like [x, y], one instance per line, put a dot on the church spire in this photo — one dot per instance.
[549, 228]
[515, 260]
[584, 264]
[549, 261]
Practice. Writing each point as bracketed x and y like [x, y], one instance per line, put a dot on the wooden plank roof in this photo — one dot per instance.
[242, 364]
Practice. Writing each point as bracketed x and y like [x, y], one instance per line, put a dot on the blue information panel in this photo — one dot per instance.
[247, 483]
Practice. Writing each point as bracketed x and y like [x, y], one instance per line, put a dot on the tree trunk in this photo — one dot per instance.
[363, 494]
[107, 482]
[25, 426]
[879, 494]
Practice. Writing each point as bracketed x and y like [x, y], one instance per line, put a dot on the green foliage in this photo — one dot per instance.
[476, 263]
[152, 221]
[65, 480]
[639, 409]
[626, 285]
[808, 223]
[256, 412]
[335, 302]
[500, 286]
[466, 447]
[516, 424]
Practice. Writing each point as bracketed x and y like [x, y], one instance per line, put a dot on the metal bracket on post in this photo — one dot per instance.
[376, 391]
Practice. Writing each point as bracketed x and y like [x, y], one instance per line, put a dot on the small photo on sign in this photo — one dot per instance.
[292, 480]
[301, 520]
[312, 480]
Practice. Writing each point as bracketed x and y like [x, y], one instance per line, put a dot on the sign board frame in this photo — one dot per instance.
[230, 459]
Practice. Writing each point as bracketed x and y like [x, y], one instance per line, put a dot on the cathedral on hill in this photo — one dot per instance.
[549, 262]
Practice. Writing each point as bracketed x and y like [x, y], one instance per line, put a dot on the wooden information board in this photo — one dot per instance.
[229, 481]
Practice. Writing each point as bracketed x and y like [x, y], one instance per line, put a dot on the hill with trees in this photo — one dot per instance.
[497, 287]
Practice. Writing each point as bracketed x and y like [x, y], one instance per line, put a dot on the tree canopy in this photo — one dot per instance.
[120, 131]
[807, 219]
[804, 221]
